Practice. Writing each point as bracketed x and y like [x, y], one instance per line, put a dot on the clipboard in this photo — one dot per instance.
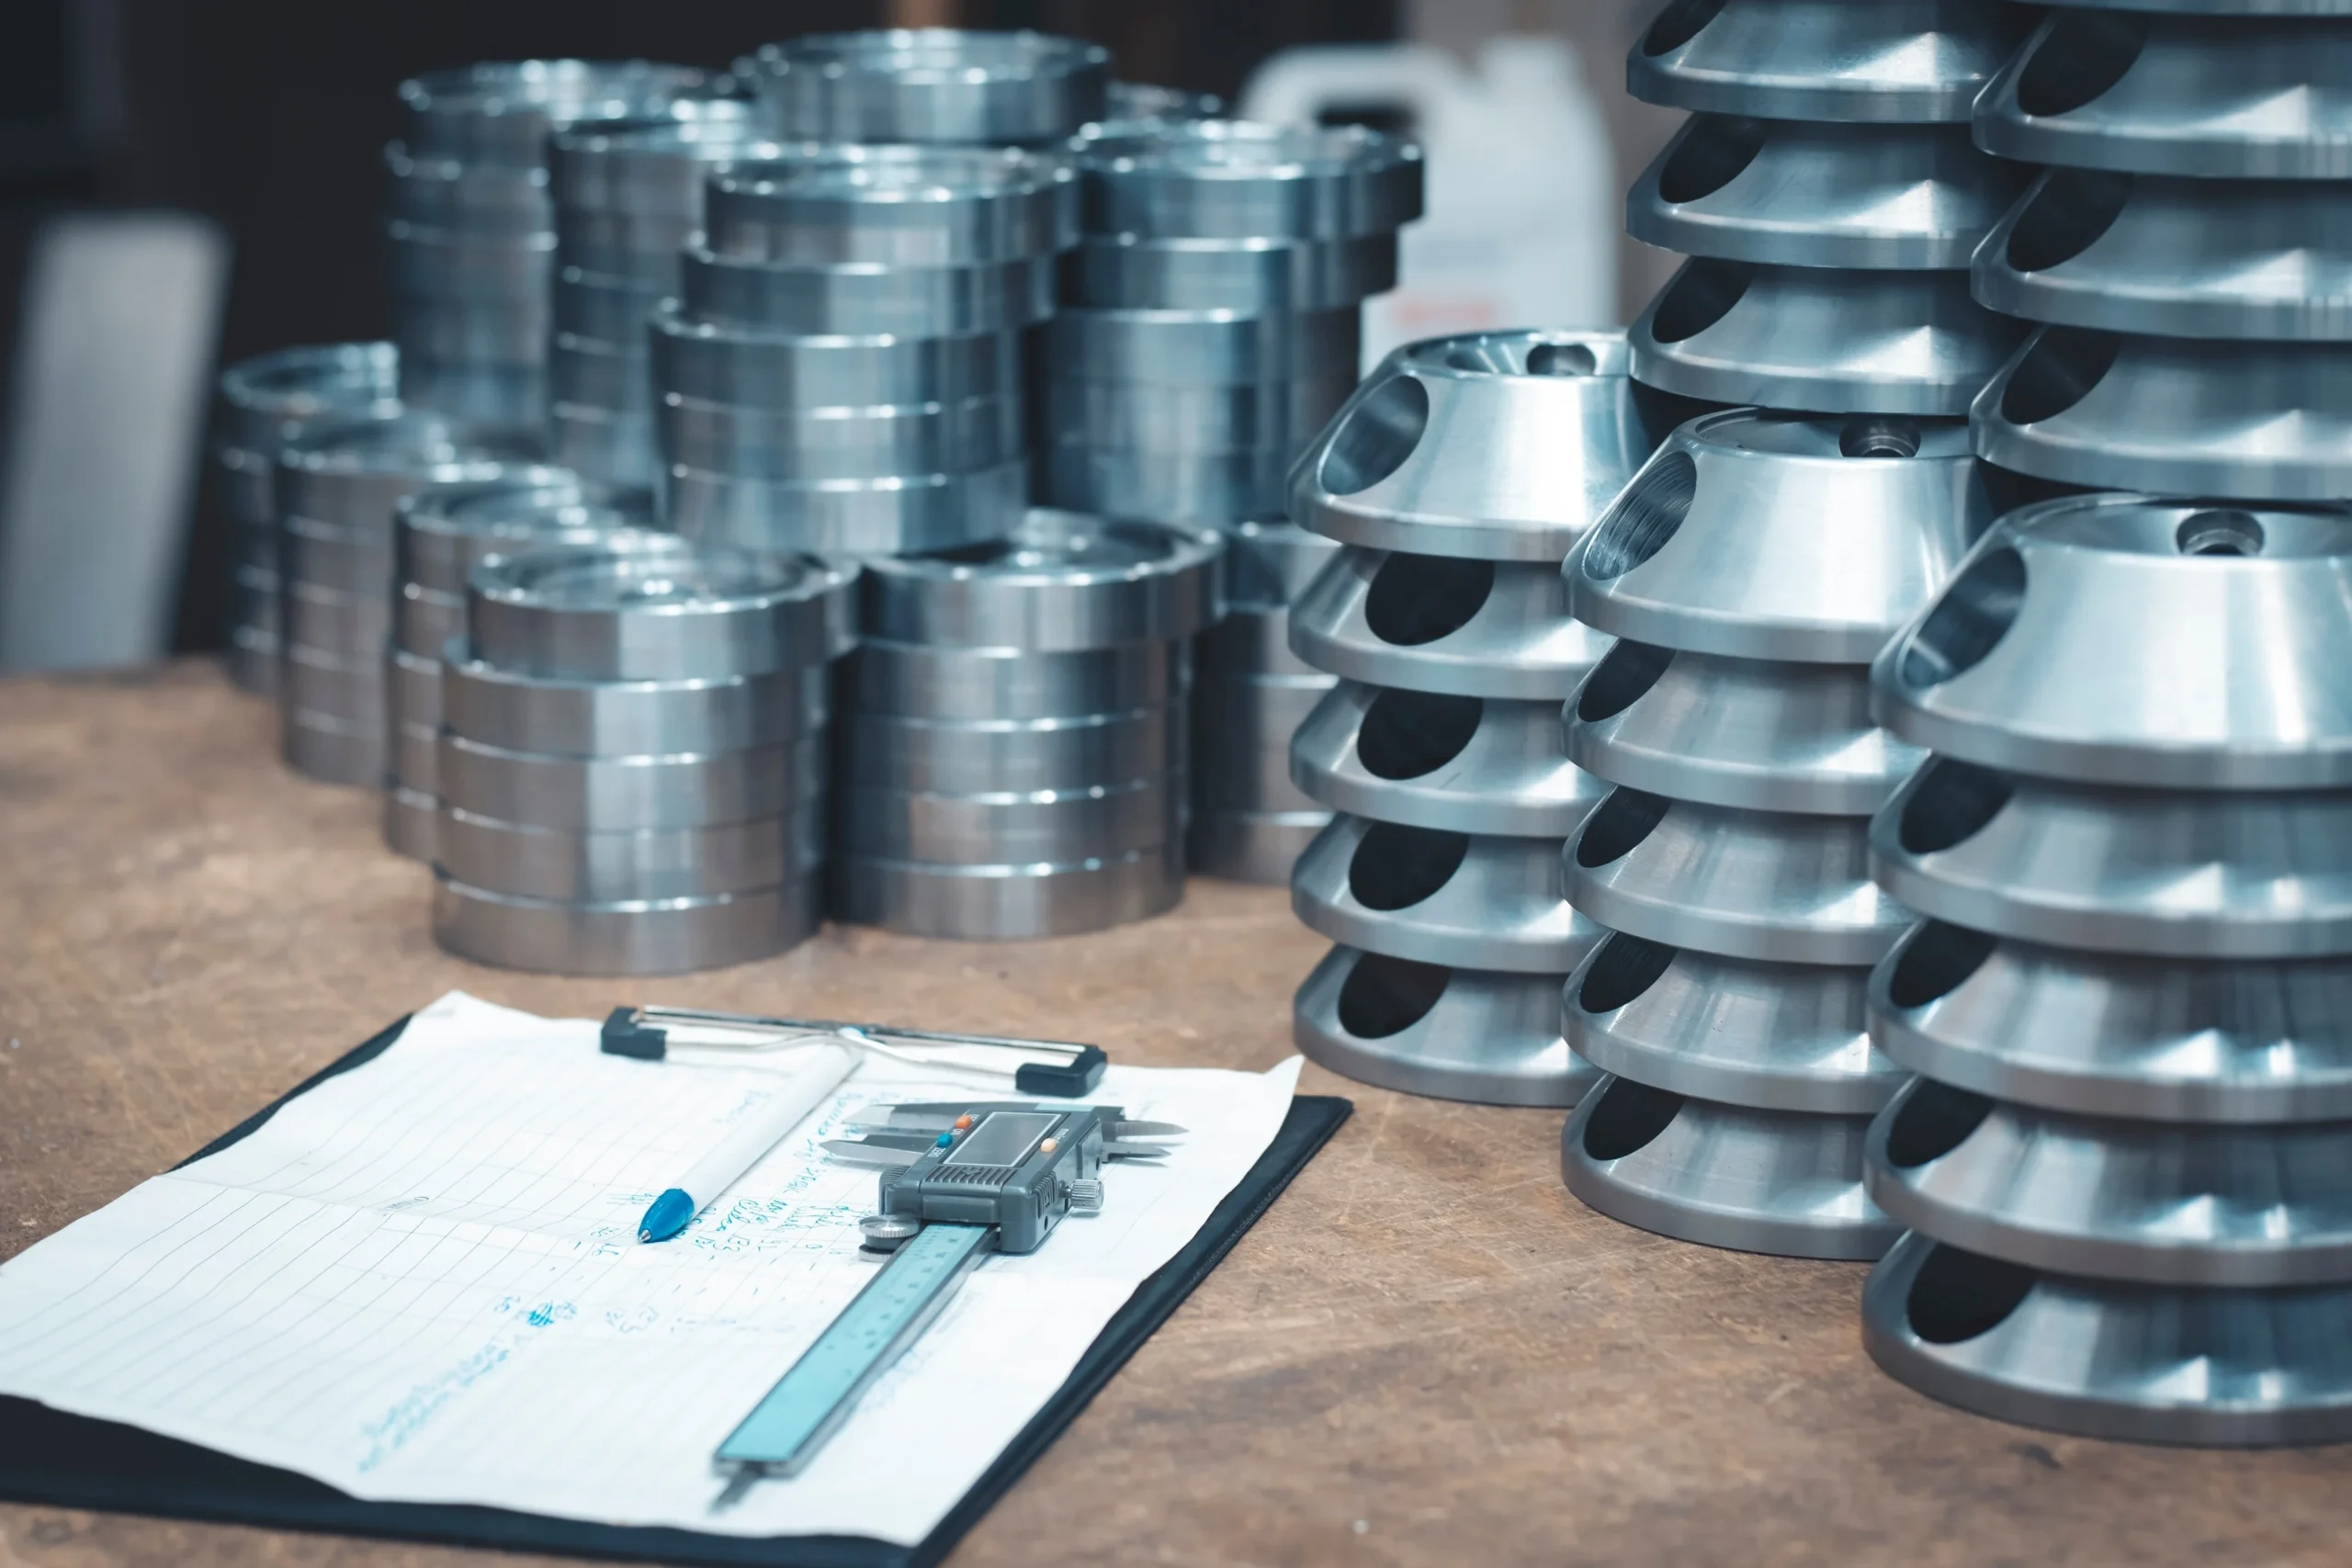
[76, 1461]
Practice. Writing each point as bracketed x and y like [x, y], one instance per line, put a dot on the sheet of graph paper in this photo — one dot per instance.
[420, 1282]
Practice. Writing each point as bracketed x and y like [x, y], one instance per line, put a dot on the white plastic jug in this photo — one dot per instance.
[1522, 204]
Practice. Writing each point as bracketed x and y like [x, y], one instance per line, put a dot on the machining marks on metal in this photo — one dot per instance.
[629, 718]
[913, 681]
[1167, 347]
[931, 85]
[619, 866]
[1460, 764]
[879, 515]
[758, 367]
[892, 206]
[1241, 180]
[1441, 897]
[629, 793]
[635, 937]
[1008, 903]
[1443, 624]
[1249, 274]
[1876, 61]
[842, 443]
[859, 298]
[1426, 1028]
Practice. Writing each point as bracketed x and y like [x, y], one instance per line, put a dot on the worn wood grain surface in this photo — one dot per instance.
[1426, 1354]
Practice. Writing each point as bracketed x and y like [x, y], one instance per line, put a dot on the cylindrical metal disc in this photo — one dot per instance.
[895, 206]
[1253, 275]
[1009, 902]
[931, 85]
[569, 865]
[918, 681]
[889, 516]
[865, 297]
[1240, 179]
[990, 756]
[783, 370]
[1023, 828]
[624, 794]
[1202, 348]
[622, 718]
[652, 936]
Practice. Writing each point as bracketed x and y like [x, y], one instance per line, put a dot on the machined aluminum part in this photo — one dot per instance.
[1055, 581]
[1718, 545]
[2240, 874]
[2213, 97]
[1269, 562]
[1142, 100]
[492, 393]
[568, 865]
[917, 681]
[1835, 340]
[649, 171]
[612, 310]
[2111, 1358]
[1426, 1028]
[1243, 726]
[253, 658]
[891, 515]
[1009, 902]
[2255, 421]
[972, 756]
[1204, 488]
[1202, 348]
[338, 560]
[607, 445]
[330, 684]
[2256, 259]
[864, 296]
[893, 205]
[1240, 179]
[1279, 415]
[1772, 886]
[1775, 1181]
[629, 718]
[412, 822]
[1056, 827]
[271, 398]
[1443, 624]
[2119, 1035]
[629, 793]
[1770, 1036]
[1874, 61]
[931, 85]
[412, 689]
[1885, 197]
[1249, 642]
[653, 936]
[427, 263]
[504, 112]
[413, 752]
[1498, 446]
[1460, 764]
[349, 474]
[617, 248]
[1764, 735]
[443, 532]
[758, 368]
[453, 195]
[347, 625]
[1251, 274]
[1439, 897]
[332, 747]
[599, 613]
[1258, 847]
[839, 443]
[488, 334]
[2125, 640]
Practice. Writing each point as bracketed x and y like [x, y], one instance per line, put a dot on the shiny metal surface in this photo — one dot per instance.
[268, 401]
[931, 85]
[1441, 623]
[1269, 562]
[1771, 886]
[894, 206]
[1423, 1029]
[1274, 416]
[1244, 727]
[331, 747]
[864, 296]
[1783, 537]
[1775, 1181]
[411, 825]
[1259, 847]
[2141, 643]
[880, 515]
[2117, 1035]
[1056, 827]
[838, 442]
[442, 532]
[502, 112]
[1159, 346]
[1202, 488]
[753, 367]
[2231, 98]
[1252, 275]
[1761, 734]
[2111, 1359]
[1497, 447]
[627, 793]
[1459, 764]
[1831, 339]
[649, 170]
[968, 756]
[1769, 1036]
[623, 718]
[1240, 179]
[350, 474]
[1896, 196]
[1439, 897]
[424, 620]
[571, 866]
[2256, 421]
[2177, 257]
[2244, 874]
[919, 681]
[1251, 641]
[669, 936]
[347, 688]
[1008, 903]
[2163, 1204]
[1838, 60]
[413, 688]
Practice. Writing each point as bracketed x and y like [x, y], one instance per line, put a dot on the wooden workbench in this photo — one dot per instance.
[1426, 1354]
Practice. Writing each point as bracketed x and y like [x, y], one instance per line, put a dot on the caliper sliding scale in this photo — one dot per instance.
[962, 1180]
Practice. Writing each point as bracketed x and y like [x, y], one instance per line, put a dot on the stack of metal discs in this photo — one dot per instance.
[440, 535]
[842, 369]
[2125, 1166]
[336, 490]
[1250, 694]
[931, 85]
[473, 232]
[265, 402]
[1750, 574]
[1826, 187]
[1014, 761]
[627, 199]
[1456, 480]
[2191, 248]
[633, 757]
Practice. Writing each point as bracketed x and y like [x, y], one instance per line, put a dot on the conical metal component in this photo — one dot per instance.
[1425, 1028]
[1440, 898]
[1441, 624]
[1838, 59]
[1756, 1180]
[1904, 197]
[1463, 764]
[1833, 340]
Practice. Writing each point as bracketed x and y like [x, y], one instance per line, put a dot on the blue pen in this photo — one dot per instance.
[819, 1071]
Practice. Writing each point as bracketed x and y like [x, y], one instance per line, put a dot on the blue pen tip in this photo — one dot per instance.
[669, 1214]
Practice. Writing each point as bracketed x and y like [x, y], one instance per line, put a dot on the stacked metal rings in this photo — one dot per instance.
[440, 535]
[1827, 188]
[1250, 694]
[1456, 480]
[2127, 1162]
[471, 232]
[335, 491]
[265, 402]
[2192, 249]
[632, 758]
[627, 199]
[842, 369]
[1014, 757]
[1750, 574]
[931, 85]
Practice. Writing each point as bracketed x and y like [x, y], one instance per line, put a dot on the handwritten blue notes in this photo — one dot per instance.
[420, 1282]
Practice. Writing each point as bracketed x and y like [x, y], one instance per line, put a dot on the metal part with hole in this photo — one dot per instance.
[1461, 764]
[1443, 624]
[1425, 1028]
[1439, 897]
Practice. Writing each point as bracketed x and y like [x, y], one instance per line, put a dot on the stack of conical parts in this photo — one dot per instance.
[1455, 480]
[1827, 192]
[440, 535]
[265, 402]
[931, 85]
[633, 757]
[2127, 1164]
[336, 490]
[1750, 574]
[1013, 763]
[842, 371]
[2192, 247]
[473, 232]
[628, 200]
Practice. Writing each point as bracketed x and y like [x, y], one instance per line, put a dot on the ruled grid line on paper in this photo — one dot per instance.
[420, 1282]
